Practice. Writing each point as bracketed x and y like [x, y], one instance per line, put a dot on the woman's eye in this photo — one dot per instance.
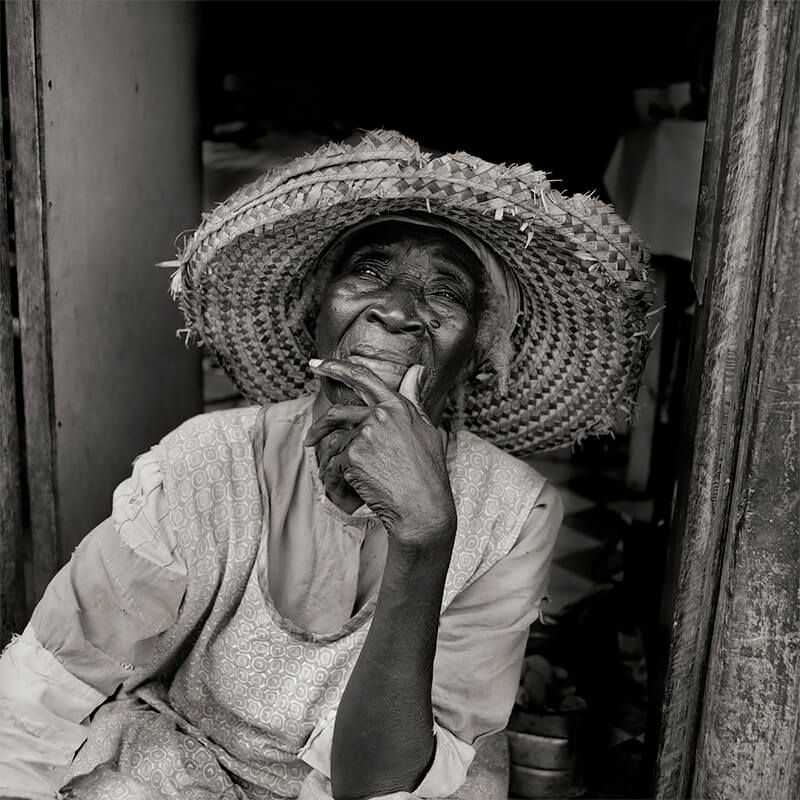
[449, 295]
[367, 270]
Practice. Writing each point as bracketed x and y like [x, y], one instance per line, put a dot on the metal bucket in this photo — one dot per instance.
[546, 753]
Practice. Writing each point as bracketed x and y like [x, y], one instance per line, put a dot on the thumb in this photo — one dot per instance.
[411, 385]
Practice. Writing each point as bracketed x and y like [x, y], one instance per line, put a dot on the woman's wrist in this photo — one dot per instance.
[414, 577]
[417, 547]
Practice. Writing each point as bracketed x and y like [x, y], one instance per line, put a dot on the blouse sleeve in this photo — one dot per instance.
[97, 621]
[481, 644]
[479, 652]
[483, 633]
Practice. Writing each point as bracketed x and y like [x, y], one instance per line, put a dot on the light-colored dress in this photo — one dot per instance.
[228, 598]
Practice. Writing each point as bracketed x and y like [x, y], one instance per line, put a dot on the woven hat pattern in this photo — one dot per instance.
[581, 338]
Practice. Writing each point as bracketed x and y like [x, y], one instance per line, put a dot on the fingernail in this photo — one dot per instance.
[314, 362]
[420, 376]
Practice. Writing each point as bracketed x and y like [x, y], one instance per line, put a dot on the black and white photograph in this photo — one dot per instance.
[400, 399]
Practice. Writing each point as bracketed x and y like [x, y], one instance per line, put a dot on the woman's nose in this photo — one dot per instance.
[397, 312]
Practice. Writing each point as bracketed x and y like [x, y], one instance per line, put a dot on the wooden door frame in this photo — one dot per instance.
[36, 470]
[12, 603]
[729, 722]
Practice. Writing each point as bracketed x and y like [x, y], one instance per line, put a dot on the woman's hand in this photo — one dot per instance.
[388, 452]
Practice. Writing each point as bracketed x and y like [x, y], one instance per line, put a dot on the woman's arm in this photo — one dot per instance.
[391, 455]
[383, 739]
[97, 620]
[481, 641]
[41, 707]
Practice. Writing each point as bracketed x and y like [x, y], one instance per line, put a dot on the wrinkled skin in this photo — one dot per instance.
[392, 457]
[396, 331]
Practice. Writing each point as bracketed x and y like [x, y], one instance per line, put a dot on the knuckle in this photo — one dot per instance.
[355, 450]
[360, 371]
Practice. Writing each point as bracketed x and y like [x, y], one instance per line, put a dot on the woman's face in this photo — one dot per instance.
[402, 295]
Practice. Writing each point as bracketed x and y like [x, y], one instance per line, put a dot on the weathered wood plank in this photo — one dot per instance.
[755, 46]
[686, 616]
[121, 378]
[750, 723]
[717, 137]
[34, 301]
[11, 590]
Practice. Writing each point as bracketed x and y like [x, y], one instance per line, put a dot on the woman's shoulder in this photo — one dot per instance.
[227, 423]
[237, 423]
[477, 457]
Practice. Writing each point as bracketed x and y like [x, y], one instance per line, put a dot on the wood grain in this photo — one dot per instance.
[751, 708]
[722, 735]
[11, 589]
[34, 301]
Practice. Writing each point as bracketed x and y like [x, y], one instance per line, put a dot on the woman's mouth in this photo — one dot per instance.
[389, 371]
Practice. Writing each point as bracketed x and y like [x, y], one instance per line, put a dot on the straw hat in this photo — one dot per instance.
[580, 340]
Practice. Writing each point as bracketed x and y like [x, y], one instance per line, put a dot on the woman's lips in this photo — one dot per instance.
[391, 354]
[390, 372]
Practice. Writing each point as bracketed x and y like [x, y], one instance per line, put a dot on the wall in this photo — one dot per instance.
[122, 178]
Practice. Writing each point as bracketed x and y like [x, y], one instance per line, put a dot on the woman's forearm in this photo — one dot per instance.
[383, 738]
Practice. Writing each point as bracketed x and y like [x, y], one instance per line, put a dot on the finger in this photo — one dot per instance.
[325, 457]
[411, 389]
[335, 444]
[334, 418]
[411, 385]
[362, 380]
[336, 467]
[338, 440]
[330, 446]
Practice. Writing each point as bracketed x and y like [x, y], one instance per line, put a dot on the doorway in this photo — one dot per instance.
[568, 87]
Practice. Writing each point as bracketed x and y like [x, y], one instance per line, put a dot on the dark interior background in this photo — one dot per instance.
[545, 82]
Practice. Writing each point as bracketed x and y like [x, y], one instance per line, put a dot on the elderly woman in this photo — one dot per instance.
[329, 592]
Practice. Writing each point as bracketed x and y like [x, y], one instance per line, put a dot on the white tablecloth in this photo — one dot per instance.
[653, 179]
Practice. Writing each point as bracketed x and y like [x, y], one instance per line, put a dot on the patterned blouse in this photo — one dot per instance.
[199, 640]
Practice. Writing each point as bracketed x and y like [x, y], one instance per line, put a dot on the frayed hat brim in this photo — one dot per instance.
[581, 337]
